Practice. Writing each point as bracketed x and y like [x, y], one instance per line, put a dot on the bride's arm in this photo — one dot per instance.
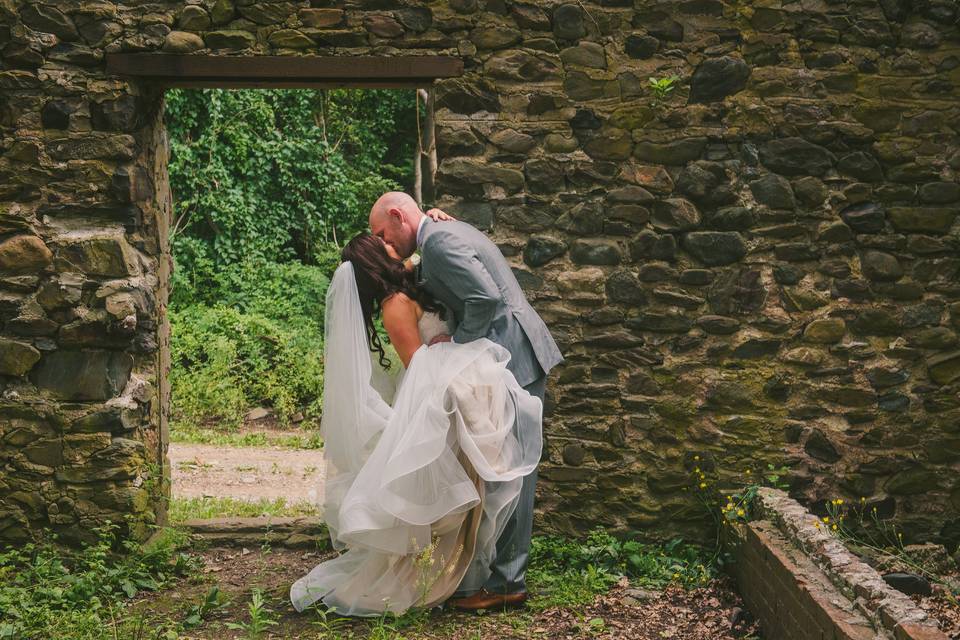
[400, 320]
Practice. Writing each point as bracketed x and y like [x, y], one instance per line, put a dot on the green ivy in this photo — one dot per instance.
[275, 174]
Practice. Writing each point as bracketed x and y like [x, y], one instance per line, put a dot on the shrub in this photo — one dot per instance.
[226, 360]
[284, 291]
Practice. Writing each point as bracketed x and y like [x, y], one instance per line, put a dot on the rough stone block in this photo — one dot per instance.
[182, 42]
[936, 220]
[230, 39]
[24, 254]
[17, 358]
[715, 248]
[98, 255]
[83, 375]
[716, 78]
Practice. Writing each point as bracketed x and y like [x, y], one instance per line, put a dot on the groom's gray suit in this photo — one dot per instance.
[463, 269]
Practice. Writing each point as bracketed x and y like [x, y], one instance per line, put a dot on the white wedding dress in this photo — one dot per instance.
[423, 469]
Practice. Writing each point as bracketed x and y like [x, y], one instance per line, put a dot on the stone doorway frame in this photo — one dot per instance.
[157, 72]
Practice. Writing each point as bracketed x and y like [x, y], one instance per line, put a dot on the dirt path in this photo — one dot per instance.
[249, 473]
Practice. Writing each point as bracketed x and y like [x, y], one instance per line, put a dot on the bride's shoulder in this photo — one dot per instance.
[399, 302]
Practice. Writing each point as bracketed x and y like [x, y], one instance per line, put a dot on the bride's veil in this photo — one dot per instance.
[354, 414]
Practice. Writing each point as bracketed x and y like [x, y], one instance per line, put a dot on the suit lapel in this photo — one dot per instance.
[418, 277]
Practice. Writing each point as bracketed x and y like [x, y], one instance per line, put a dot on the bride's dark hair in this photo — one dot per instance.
[378, 277]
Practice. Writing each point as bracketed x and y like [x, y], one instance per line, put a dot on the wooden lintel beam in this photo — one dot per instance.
[284, 71]
[240, 83]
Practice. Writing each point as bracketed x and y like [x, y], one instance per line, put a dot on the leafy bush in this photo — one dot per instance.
[226, 360]
[287, 292]
[50, 592]
[602, 560]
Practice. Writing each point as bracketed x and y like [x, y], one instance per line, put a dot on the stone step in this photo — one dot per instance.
[295, 533]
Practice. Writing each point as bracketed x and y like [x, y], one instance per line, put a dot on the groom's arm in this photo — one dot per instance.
[457, 265]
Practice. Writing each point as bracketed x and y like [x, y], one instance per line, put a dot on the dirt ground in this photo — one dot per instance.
[247, 473]
[711, 613]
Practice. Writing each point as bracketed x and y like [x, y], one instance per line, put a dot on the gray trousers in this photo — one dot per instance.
[509, 568]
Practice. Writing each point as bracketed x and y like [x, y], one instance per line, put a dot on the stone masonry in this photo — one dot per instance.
[761, 266]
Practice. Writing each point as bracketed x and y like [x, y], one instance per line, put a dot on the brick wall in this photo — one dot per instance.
[823, 594]
[790, 596]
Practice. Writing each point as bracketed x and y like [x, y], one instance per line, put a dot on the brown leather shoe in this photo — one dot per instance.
[483, 599]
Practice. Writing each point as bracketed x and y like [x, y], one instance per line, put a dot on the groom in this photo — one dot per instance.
[462, 268]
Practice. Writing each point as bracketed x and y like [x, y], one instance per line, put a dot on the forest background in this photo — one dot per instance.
[267, 187]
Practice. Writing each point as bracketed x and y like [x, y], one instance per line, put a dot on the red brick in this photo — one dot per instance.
[916, 632]
[789, 605]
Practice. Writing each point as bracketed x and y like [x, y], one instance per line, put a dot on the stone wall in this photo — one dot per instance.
[761, 267]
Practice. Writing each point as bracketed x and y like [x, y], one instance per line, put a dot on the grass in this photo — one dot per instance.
[182, 509]
[284, 440]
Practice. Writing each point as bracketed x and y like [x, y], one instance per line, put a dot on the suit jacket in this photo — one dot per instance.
[464, 270]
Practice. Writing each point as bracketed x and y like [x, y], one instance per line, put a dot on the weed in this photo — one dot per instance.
[661, 88]
[47, 591]
[261, 617]
[196, 614]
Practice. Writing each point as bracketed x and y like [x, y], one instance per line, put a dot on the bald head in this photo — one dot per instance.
[395, 218]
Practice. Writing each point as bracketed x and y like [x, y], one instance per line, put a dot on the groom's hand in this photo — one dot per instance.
[439, 338]
[439, 216]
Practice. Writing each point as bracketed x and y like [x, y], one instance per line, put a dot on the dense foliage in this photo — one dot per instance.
[47, 591]
[565, 571]
[278, 175]
[267, 185]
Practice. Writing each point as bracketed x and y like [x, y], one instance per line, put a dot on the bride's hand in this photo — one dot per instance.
[439, 338]
[439, 216]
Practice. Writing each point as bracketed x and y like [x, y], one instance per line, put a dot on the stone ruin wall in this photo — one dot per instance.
[763, 267]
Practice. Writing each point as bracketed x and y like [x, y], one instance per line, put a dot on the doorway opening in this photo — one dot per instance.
[272, 169]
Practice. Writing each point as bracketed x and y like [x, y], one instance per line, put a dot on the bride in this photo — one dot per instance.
[424, 467]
